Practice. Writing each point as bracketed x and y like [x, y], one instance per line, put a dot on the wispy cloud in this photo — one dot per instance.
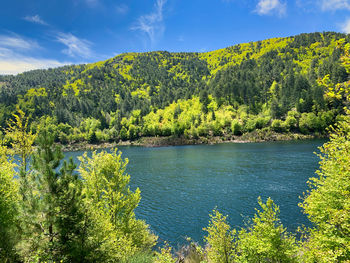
[17, 42]
[75, 47]
[15, 55]
[122, 9]
[333, 5]
[152, 24]
[270, 7]
[345, 27]
[35, 19]
[19, 64]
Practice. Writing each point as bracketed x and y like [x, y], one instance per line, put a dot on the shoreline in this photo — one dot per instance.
[149, 142]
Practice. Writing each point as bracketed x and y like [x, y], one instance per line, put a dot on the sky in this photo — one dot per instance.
[50, 33]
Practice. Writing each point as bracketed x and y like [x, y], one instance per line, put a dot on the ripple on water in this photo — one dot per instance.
[180, 186]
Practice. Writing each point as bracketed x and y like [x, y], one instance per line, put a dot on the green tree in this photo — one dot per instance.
[327, 204]
[22, 144]
[9, 208]
[236, 127]
[106, 186]
[265, 239]
[58, 221]
[278, 126]
[220, 239]
[123, 134]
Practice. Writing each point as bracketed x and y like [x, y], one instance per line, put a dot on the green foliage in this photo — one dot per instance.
[58, 221]
[152, 92]
[106, 186]
[327, 202]
[165, 255]
[236, 128]
[308, 122]
[220, 239]
[21, 139]
[291, 122]
[123, 134]
[9, 208]
[265, 239]
[278, 126]
[50, 214]
[146, 257]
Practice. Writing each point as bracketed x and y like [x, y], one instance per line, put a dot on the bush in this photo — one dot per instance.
[236, 128]
[92, 138]
[261, 122]
[278, 126]
[308, 122]
[123, 134]
[250, 125]
[290, 123]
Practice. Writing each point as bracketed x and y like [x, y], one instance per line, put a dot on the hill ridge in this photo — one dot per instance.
[266, 78]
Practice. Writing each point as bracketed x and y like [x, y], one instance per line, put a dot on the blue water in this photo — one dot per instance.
[181, 185]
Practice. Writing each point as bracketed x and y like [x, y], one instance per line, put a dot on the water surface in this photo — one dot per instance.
[181, 185]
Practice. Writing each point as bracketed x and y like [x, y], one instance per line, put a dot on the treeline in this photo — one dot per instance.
[265, 84]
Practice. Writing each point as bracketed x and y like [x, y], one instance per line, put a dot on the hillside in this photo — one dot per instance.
[269, 85]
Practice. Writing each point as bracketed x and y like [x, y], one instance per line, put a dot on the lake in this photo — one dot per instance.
[181, 185]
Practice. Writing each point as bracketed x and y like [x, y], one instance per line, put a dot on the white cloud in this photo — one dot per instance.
[269, 7]
[152, 24]
[35, 19]
[75, 47]
[17, 42]
[345, 27]
[14, 56]
[333, 5]
[11, 66]
[122, 9]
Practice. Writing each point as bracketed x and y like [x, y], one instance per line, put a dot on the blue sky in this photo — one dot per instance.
[50, 33]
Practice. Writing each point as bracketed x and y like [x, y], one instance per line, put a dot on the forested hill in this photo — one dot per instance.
[271, 84]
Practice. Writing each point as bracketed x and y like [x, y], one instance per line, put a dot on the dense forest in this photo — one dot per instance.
[271, 85]
[54, 211]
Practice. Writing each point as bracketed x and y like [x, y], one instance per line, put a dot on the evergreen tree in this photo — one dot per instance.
[60, 224]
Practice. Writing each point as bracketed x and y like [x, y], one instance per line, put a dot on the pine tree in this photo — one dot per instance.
[61, 218]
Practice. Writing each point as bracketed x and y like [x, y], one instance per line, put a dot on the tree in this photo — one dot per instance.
[220, 239]
[123, 134]
[9, 209]
[265, 239]
[236, 128]
[327, 204]
[21, 141]
[58, 221]
[106, 186]
[72, 221]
